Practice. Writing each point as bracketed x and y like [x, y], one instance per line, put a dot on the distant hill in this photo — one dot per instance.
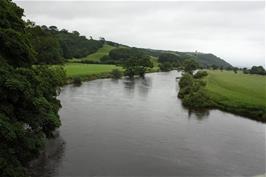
[204, 59]
[208, 59]
[54, 46]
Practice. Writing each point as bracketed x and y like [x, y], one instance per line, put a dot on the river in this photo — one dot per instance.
[140, 128]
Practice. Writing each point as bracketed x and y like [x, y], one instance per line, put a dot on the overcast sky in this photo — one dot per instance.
[233, 31]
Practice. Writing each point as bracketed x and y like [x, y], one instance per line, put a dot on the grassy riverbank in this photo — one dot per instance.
[239, 93]
[93, 71]
[88, 71]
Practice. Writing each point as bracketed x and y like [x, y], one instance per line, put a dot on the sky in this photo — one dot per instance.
[234, 31]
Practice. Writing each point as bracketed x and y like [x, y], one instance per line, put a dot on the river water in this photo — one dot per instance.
[139, 128]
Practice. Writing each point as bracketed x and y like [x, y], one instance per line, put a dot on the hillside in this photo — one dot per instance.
[54, 46]
[208, 59]
[204, 59]
[99, 53]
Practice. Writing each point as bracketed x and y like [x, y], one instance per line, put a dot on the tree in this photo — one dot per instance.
[102, 39]
[215, 67]
[137, 66]
[116, 74]
[28, 103]
[76, 33]
[169, 57]
[46, 45]
[200, 74]
[190, 66]
[257, 70]
[235, 69]
[245, 71]
[166, 66]
[75, 46]
[53, 28]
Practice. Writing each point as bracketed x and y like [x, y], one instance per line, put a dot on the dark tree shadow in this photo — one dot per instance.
[199, 114]
[47, 164]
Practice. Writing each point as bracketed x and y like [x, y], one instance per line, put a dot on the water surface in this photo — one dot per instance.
[139, 128]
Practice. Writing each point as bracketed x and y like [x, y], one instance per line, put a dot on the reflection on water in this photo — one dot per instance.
[140, 128]
[50, 159]
[199, 114]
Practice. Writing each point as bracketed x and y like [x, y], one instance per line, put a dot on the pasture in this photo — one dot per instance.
[99, 54]
[237, 90]
[78, 69]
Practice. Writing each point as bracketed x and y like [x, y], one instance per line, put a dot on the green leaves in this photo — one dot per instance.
[190, 65]
[191, 91]
[15, 48]
[28, 104]
[28, 111]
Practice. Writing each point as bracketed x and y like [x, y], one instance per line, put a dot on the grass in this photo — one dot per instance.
[239, 92]
[97, 55]
[81, 70]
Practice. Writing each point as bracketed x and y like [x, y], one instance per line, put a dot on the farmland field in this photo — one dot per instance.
[78, 69]
[237, 90]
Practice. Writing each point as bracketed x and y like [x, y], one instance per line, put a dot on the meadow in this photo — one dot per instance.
[238, 92]
[97, 55]
[81, 70]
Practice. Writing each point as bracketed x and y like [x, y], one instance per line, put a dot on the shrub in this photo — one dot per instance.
[166, 66]
[77, 81]
[191, 91]
[197, 99]
[116, 74]
[200, 74]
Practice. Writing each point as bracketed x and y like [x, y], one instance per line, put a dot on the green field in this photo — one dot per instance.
[78, 69]
[99, 54]
[243, 91]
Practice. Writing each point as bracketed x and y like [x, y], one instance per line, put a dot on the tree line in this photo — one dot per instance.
[54, 46]
[133, 60]
[28, 103]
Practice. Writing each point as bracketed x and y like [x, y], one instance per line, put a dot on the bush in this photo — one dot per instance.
[191, 91]
[257, 70]
[197, 99]
[116, 74]
[166, 66]
[185, 80]
[200, 74]
[77, 81]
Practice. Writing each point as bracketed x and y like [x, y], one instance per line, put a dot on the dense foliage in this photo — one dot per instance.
[204, 60]
[133, 60]
[116, 74]
[120, 55]
[53, 46]
[28, 104]
[192, 93]
[137, 66]
[169, 61]
[45, 44]
[200, 74]
[75, 46]
[190, 65]
[255, 70]
[211, 60]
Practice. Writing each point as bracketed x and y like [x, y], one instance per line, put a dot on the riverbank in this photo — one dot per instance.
[88, 72]
[237, 93]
